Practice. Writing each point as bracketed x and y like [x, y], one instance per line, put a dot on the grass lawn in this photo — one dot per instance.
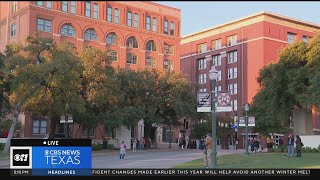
[261, 160]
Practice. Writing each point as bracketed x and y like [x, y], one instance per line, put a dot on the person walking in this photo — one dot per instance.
[205, 158]
[142, 143]
[134, 145]
[187, 142]
[298, 145]
[122, 150]
[197, 144]
[209, 145]
[290, 142]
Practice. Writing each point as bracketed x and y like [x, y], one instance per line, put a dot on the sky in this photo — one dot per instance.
[200, 15]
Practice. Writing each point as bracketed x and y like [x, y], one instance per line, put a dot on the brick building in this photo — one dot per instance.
[239, 49]
[139, 34]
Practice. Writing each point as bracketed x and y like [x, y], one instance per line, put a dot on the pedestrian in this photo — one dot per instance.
[187, 142]
[122, 150]
[142, 143]
[197, 144]
[290, 142]
[205, 158]
[256, 145]
[209, 145]
[299, 144]
[134, 145]
[251, 145]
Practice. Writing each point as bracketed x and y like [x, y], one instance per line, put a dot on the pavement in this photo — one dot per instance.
[151, 158]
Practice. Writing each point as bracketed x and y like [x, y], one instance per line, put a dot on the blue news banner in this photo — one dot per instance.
[59, 157]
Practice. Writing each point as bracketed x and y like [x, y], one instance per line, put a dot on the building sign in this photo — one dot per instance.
[204, 102]
[251, 121]
[224, 102]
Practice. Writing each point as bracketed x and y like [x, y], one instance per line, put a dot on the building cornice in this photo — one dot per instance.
[259, 17]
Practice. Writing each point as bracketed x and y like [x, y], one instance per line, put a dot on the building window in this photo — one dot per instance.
[95, 11]
[68, 30]
[202, 48]
[136, 20]
[172, 28]
[116, 16]
[235, 72]
[217, 90]
[129, 22]
[151, 46]
[73, 7]
[150, 62]
[154, 25]
[230, 88]
[235, 88]
[216, 60]
[202, 64]
[39, 3]
[13, 29]
[14, 6]
[109, 15]
[166, 65]
[232, 40]
[291, 37]
[216, 44]
[148, 23]
[165, 27]
[88, 9]
[232, 57]
[113, 56]
[202, 78]
[235, 105]
[39, 126]
[60, 128]
[65, 6]
[132, 42]
[219, 75]
[88, 132]
[230, 73]
[131, 58]
[44, 25]
[168, 49]
[110, 132]
[90, 35]
[305, 39]
[112, 39]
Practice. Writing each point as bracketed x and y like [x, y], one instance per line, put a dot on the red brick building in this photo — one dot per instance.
[239, 49]
[140, 34]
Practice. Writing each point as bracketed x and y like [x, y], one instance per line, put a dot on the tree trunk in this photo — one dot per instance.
[53, 125]
[12, 128]
[170, 137]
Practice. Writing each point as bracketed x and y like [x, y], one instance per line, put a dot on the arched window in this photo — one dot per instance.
[131, 58]
[90, 35]
[150, 62]
[132, 42]
[112, 39]
[13, 29]
[150, 46]
[68, 30]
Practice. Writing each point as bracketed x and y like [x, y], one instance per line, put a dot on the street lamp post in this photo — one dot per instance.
[246, 109]
[66, 108]
[213, 75]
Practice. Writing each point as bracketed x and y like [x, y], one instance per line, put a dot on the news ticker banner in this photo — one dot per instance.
[170, 172]
[44, 157]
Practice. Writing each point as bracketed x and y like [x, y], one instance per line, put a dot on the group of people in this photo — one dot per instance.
[255, 145]
[135, 143]
[290, 142]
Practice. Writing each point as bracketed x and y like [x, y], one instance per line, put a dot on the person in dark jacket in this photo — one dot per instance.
[298, 145]
[290, 143]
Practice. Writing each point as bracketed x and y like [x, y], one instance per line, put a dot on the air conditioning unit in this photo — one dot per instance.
[148, 60]
[166, 63]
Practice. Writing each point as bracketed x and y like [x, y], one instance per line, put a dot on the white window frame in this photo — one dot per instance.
[230, 88]
[41, 120]
[235, 72]
[202, 48]
[216, 60]
[235, 88]
[235, 105]
[232, 40]
[216, 44]
[289, 38]
[230, 73]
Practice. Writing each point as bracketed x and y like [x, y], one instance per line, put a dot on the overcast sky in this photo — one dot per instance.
[199, 15]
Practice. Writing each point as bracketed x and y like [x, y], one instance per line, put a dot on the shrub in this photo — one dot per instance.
[2, 146]
[96, 147]
[314, 150]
